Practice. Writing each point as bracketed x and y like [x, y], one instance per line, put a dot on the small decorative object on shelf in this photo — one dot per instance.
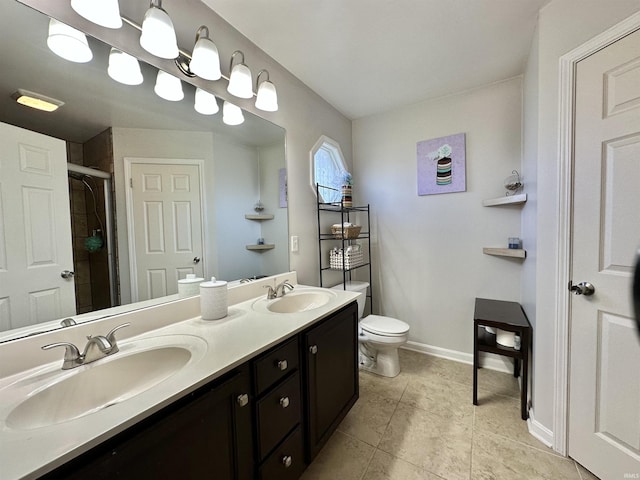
[515, 243]
[258, 207]
[347, 190]
[513, 183]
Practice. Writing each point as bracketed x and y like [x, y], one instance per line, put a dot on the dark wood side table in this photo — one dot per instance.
[510, 317]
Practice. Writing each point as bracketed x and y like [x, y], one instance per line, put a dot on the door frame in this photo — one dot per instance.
[128, 162]
[568, 65]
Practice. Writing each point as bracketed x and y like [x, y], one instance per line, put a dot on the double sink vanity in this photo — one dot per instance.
[253, 395]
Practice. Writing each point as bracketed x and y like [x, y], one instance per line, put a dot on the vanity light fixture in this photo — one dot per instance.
[168, 87]
[158, 35]
[240, 82]
[105, 13]
[124, 68]
[36, 100]
[231, 114]
[267, 97]
[205, 60]
[205, 103]
[68, 43]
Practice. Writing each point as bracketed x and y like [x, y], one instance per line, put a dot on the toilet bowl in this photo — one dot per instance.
[379, 337]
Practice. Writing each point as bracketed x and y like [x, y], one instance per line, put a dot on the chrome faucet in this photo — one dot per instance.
[96, 348]
[281, 289]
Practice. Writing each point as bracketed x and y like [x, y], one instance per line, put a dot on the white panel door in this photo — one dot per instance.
[35, 229]
[167, 227]
[604, 390]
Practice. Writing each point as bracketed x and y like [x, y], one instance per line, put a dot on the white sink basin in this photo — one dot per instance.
[139, 366]
[296, 301]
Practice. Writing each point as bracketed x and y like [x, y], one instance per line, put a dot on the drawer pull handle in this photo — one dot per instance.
[286, 461]
[313, 349]
[243, 400]
[283, 365]
[284, 402]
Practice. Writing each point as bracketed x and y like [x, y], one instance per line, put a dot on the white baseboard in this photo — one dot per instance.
[539, 431]
[488, 360]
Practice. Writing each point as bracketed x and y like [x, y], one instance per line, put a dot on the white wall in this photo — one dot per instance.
[274, 231]
[563, 26]
[428, 259]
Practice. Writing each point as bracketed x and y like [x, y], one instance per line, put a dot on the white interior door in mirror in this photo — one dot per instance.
[165, 227]
[35, 229]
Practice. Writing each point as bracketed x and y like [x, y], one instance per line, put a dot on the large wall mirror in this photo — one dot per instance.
[128, 151]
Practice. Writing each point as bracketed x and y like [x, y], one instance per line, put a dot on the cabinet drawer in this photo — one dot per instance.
[277, 414]
[286, 462]
[276, 364]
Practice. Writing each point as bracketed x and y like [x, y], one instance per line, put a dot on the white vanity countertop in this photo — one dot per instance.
[243, 334]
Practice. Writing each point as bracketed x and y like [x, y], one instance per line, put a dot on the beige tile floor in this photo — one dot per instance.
[422, 425]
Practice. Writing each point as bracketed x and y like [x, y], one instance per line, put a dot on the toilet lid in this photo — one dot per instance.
[384, 325]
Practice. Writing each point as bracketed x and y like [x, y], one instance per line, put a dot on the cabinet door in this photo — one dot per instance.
[207, 436]
[331, 375]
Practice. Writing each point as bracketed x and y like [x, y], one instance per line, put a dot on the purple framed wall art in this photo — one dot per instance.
[442, 165]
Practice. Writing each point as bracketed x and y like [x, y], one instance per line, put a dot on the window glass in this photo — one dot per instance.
[328, 169]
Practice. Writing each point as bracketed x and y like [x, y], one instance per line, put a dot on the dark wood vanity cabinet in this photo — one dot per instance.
[207, 434]
[331, 375]
[265, 420]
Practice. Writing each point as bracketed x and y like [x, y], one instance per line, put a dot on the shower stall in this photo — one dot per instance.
[92, 222]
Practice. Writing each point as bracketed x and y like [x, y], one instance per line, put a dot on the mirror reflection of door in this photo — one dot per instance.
[35, 229]
[165, 226]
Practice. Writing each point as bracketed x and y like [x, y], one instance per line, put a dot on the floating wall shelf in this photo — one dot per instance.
[510, 200]
[506, 252]
[259, 217]
[268, 246]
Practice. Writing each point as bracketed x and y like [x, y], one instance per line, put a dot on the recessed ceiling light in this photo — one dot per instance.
[36, 100]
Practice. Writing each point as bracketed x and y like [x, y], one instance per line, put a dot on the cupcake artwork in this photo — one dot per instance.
[441, 165]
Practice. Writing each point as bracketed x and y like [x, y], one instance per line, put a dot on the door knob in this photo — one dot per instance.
[196, 260]
[583, 288]
[67, 274]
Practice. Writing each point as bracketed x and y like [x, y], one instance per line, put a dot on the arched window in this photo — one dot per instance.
[327, 169]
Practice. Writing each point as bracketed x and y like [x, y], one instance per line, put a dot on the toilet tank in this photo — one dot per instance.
[358, 287]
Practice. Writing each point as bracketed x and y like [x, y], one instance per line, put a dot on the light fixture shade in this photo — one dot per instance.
[205, 103]
[168, 87]
[105, 13]
[205, 60]
[158, 35]
[240, 82]
[231, 114]
[267, 98]
[124, 68]
[68, 43]
[36, 100]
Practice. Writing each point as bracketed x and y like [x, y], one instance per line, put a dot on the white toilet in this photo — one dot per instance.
[379, 337]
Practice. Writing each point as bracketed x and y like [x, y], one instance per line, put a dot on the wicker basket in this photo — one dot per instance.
[349, 232]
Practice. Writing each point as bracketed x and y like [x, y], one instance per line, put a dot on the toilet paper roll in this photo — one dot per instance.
[189, 286]
[213, 299]
[506, 339]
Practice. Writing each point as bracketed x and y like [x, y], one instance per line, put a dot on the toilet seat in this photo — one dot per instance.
[384, 326]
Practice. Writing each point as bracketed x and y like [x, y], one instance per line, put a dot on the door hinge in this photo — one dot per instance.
[131, 182]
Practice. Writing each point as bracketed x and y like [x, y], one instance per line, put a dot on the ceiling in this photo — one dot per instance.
[370, 56]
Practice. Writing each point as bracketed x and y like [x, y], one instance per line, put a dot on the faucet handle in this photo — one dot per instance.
[111, 337]
[271, 293]
[71, 354]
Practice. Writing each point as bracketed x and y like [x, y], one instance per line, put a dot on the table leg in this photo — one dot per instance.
[475, 364]
[525, 373]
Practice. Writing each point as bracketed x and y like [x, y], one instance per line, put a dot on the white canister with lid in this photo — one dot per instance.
[213, 299]
[189, 286]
